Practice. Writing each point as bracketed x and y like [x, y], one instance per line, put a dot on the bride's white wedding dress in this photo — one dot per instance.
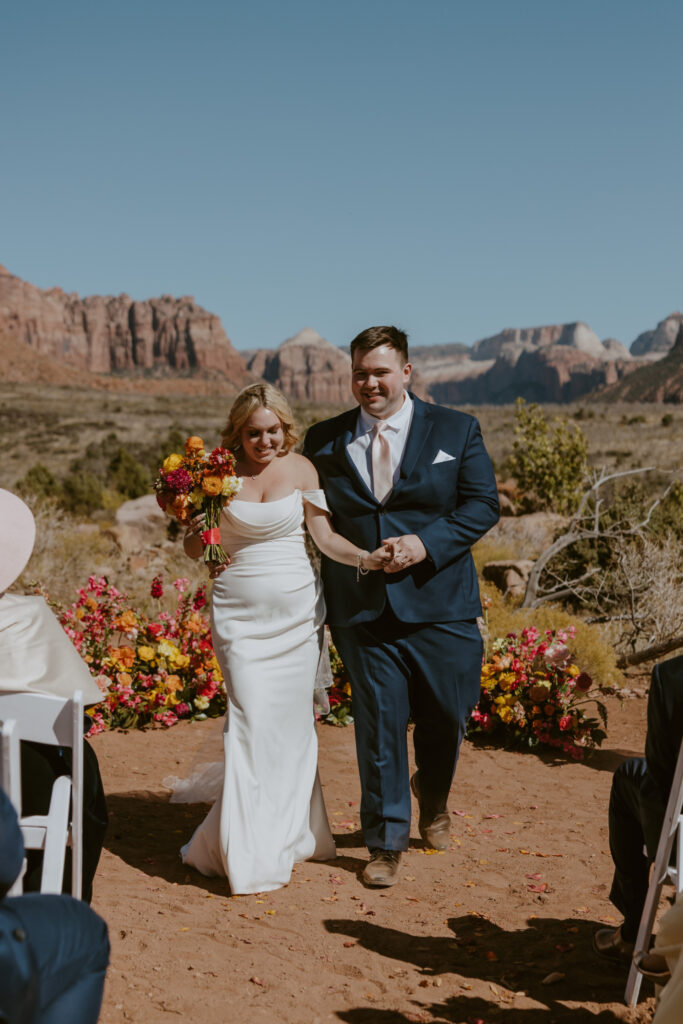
[267, 617]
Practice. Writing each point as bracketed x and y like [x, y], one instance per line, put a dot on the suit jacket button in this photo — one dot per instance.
[19, 934]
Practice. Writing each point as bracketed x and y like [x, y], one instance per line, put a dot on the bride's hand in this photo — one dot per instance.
[216, 568]
[378, 558]
[196, 525]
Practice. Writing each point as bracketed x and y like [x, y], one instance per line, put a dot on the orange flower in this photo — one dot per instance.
[194, 623]
[123, 656]
[91, 603]
[194, 446]
[126, 621]
[180, 507]
[124, 678]
[173, 683]
[212, 485]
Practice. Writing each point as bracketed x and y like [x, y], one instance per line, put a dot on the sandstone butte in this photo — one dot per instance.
[115, 334]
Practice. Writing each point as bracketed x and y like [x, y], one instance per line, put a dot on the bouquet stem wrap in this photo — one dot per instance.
[211, 537]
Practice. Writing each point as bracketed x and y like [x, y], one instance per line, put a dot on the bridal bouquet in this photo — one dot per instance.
[197, 482]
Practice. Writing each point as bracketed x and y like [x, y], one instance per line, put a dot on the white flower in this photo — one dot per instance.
[201, 703]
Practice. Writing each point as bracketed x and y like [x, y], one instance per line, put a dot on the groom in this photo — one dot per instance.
[417, 477]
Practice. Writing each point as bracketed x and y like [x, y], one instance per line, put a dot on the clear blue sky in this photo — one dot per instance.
[452, 166]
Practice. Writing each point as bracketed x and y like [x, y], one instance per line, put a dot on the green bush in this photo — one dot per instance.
[549, 461]
[39, 481]
[128, 476]
[82, 492]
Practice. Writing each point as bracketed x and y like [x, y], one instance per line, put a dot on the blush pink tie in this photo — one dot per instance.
[382, 472]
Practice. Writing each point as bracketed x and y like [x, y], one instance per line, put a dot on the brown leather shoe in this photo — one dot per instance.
[382, 869]
[608, 942]
[435, 829]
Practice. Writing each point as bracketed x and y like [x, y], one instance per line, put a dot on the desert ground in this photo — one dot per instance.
[496, 929]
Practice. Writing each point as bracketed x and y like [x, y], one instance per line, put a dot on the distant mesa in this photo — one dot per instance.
[659, 380]
[116, 334]
[306, 367]
[117, 342]
[655, 344]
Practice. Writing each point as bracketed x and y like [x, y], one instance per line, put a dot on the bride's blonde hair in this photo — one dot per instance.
[258, 396]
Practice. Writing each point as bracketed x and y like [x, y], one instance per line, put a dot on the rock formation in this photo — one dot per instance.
[655, 344]
[307, 368]
[656, 381]
[108, 334]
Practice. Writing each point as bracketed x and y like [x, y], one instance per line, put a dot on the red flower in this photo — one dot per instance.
[583, 681]
[154, 627]
[157, 589]
[565, 722]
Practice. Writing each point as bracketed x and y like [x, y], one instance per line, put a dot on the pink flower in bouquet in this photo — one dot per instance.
[181, 584]
[157, 589]
[583, 681]
[557, 654]
[565, 722]
[182, 709]
[179, 481]
[155, 628]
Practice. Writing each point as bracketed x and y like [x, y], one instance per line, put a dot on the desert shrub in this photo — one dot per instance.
[81, 492]
[549, 460]
[127, 476]
[40, 482]
[490, 549]
[667, 419]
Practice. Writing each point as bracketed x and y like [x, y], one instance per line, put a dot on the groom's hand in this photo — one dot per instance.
[408, 550]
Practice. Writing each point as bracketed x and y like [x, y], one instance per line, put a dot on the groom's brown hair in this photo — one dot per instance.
[373, 337]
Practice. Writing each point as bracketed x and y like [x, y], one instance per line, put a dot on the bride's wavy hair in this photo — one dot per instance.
[258, 396]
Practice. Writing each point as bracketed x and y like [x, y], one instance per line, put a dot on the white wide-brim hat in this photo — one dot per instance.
[17, 535]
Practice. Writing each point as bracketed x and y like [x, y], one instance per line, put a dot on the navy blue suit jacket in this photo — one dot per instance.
[449, 505]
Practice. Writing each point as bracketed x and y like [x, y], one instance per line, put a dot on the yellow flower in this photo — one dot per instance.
[573, 670]
[180, 660]
[171, 700]
[172, 462]
[505, 714]
[197, 497]
[146, 653]
[201, 703]
[212, 485]
[231, 485]
[167, 649]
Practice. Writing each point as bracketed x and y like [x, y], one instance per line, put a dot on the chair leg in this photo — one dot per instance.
[56, 836]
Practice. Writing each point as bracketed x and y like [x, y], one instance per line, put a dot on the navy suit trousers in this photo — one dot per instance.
[429, 672]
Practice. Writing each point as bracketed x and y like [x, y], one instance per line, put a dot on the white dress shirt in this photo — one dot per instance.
[396, 431]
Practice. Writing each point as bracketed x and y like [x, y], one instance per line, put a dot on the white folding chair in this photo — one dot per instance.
[56, 721]
[662, 871]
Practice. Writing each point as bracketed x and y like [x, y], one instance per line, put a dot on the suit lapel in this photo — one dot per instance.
[420, 429]
[340, 447]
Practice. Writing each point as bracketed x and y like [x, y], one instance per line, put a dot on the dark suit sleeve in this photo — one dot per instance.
[477, 510]
[11, 844]
[662, 744]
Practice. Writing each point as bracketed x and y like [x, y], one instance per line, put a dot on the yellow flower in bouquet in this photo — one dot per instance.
[212, 485]
[146, 653]
[172, 462]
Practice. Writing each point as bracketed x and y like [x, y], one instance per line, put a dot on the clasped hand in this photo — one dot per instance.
[405, 551]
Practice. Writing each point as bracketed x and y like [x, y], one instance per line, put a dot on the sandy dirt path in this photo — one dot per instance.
[465, 937]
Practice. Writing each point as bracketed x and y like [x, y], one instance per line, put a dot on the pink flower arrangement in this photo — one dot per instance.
[151, 671]
[533, 694]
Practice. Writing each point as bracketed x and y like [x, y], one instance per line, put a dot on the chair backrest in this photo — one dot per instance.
[55, 721]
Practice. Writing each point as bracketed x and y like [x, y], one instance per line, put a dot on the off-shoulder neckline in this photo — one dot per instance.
[274, 501]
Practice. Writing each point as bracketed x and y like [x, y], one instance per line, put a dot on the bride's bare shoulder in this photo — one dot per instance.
[303, 472]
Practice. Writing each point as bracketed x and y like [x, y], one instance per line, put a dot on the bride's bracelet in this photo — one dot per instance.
[360, 571]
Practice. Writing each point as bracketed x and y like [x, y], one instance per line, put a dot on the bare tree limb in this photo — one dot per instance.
[651, 653]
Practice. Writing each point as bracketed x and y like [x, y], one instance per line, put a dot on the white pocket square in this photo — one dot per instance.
[442, 456]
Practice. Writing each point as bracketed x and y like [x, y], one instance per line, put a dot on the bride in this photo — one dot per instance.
[267, 617]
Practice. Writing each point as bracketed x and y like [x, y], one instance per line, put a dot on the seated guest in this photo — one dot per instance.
[640, 792]
[54, 950]
[36, 656]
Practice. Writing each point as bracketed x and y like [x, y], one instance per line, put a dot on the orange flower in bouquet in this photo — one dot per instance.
[197, 482]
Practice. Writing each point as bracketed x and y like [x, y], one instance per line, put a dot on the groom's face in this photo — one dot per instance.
[379, 378]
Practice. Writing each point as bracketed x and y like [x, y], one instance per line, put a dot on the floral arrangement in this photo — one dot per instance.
[199, 483]
[532, 693]
[151, 670]
[339, 695]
